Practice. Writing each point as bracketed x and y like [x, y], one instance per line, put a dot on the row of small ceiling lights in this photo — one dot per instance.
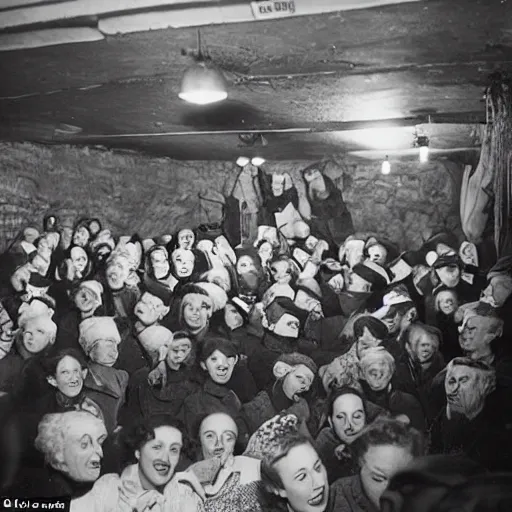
[422, 142]
[204, 84]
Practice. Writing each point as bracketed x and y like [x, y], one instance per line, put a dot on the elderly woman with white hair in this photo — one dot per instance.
[377, 367]
[71, 443]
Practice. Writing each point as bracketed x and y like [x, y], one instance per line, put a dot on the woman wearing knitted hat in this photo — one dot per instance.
[99, 338]
[292, 472]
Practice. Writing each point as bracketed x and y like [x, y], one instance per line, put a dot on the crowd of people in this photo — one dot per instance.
[312, 370]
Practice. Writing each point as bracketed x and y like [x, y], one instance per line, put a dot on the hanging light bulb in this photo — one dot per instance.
[202, 83]
[257, 161]
[386, 166]
[242, 161]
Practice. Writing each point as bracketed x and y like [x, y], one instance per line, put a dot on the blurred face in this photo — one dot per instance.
[378, 253]
[221, 278]
[304, 480]
[378, 375]
[379, 465]
[94, 227]
[463, 390]
[159, 456]
[196, 311]
[218, 434]
[219, 366]
[305, 301]
[41, 263]
[310, 243]
[82, 449]
[297, 381]
[186, 239]
[348, 417]
[232, 317]
[475, 334]
[149, 309]
[105, 352]
[366, 341]
[497, 291]
[85, 300]
[245, 265]
[288, 326]
[35, 336]
[117, 272]
[281, 271]
[81, 236]
[178, 352]
[265, 252]
[69, 377]
[447, 302]
[159, 264]
[355, 283]
[277, 184]
[183, 261]
[392, 322]
[32, 309]
[449, 275]
[337, 283]
[422, 346]
[354, 252]
[79, 258]
[312, 174]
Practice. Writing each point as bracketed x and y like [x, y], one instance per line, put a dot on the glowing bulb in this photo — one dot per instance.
[423, 154]
[386, 167]
[257, 161]
[242, 161]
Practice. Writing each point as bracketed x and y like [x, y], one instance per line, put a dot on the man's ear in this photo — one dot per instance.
[281, 369]
[137, 454]
[164, 310]
[51, 380]
[237, 357]
[202, 365]
[84, 373]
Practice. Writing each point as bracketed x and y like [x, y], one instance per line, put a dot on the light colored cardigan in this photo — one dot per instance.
[114, 493]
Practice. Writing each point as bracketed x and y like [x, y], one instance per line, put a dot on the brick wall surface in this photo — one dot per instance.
[151, 196]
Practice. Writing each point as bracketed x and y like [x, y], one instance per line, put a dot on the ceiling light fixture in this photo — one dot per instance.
[257, 161]
[242, 161]
[386, 166]
[203, 84]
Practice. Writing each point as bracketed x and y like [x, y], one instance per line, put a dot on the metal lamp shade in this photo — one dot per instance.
[203, 85]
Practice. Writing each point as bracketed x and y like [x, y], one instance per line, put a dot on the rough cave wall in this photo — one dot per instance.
[151, 196]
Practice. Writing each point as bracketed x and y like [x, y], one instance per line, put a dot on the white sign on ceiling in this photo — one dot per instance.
[271, 9]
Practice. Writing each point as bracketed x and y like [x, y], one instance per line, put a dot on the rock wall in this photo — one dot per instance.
[151, 196]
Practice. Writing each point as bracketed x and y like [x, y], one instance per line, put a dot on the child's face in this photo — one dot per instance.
[178, 352]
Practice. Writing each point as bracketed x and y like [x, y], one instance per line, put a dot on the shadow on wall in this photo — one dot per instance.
[152, 196]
